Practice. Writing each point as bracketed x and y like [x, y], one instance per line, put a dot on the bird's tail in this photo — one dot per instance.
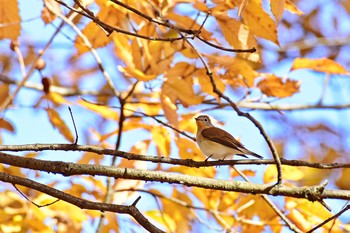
[248, 152]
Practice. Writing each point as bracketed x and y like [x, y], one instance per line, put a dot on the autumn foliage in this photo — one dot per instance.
[134, 74]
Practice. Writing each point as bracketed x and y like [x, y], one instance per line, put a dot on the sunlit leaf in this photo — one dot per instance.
[189, 149]
[103, 111]
[325, 65]
[162, 218]
[343, 181]
[135, 73]
[289, 173]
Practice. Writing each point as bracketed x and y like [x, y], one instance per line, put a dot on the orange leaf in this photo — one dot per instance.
[277, 8]
[95, 34]
[276, 87]
[4, 92]
[169, 109]
[10, 20]
[322, 65]
[238, 36]
[58, 123]
[290, 6]
[179, 85]
[46, 15]
[161, 137]
[4, 124]
[205, 83]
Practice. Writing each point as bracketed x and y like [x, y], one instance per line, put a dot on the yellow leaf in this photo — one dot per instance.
[161, 137]
[179, 213]
[307, 214]
[103, 111]
[276, 87]
[189, 149]
[259, 22]
[56, 98]
[288, 172]
[277, 8]
[343, 181]
[135, 73]
[58, 123]
[124, 50]
[162, 218]
[322, 65]
[201, 172]
[249, 206]
[10, 20]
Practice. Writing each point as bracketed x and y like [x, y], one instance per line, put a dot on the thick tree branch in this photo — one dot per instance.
[312, 193]
[81, 203]
[156, 159]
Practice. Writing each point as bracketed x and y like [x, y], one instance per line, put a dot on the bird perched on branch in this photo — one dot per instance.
[217, 143]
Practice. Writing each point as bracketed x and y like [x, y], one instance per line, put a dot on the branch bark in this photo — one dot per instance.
[312, 193]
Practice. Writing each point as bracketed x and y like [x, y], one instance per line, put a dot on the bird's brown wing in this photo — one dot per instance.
[222, 137]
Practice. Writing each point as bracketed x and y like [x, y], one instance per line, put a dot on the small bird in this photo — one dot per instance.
[217, 143]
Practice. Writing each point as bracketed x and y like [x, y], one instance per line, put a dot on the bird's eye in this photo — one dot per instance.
[205, 119]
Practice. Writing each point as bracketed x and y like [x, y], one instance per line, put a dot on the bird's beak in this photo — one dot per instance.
[196, 118]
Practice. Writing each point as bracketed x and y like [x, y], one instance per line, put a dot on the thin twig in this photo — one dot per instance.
[75, 128]
[27, 198]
